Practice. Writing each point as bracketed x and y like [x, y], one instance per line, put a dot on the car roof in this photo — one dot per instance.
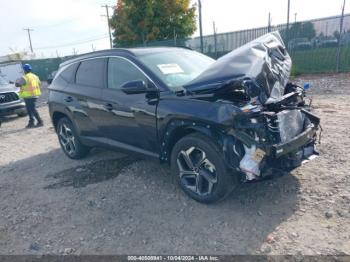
[123, 51]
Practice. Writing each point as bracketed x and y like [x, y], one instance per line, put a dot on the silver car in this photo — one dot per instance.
[10, 103]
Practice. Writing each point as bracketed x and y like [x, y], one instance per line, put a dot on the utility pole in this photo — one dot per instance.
[340, 36]
[200, 24]
[269, 23]
[108, 23]
[175, 37]
[287, 30]
[215, 42]
[30, 40]
[295, 18]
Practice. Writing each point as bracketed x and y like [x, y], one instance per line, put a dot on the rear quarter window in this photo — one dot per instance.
[66, 75]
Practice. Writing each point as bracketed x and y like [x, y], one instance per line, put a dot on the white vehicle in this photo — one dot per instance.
[11, 71]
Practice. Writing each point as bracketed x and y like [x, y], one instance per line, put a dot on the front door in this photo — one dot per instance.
[129, 119]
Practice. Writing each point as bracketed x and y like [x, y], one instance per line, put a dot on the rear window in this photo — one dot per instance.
[91, 73]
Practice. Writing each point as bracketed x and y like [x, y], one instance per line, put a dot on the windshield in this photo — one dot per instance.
[3, 82]
[177, 67]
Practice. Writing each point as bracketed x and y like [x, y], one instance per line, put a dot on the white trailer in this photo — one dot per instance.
[11, 71]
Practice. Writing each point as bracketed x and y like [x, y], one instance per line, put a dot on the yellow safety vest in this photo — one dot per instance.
[31, 87]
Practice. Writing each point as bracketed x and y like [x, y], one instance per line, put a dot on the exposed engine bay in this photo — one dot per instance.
[285, 132]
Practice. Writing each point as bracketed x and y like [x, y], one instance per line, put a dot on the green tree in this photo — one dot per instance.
[302, 30]
[336, 34]
[299, 30]
[138, 21]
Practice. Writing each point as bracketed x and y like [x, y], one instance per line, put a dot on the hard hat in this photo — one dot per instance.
[27, 67]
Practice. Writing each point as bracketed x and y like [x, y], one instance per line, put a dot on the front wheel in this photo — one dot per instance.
[200, 169]
[69, 140]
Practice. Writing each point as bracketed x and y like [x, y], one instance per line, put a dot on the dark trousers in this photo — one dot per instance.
[31, 109]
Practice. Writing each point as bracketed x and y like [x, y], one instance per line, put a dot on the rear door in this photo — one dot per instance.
[128, 119]
[83, 96]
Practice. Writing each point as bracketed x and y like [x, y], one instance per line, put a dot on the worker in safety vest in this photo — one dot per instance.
[29, 85]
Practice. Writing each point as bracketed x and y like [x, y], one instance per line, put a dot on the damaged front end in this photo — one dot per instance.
[275, 138]
[274, 127]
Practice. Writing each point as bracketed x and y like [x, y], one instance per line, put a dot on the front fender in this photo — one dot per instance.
[179, 128]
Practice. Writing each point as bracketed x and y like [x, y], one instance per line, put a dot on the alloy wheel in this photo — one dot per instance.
[197, 173]
[67, 139]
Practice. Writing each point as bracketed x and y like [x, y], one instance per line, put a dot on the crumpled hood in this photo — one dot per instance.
[264, 60]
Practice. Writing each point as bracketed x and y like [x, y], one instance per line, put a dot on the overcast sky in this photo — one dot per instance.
[61, 25]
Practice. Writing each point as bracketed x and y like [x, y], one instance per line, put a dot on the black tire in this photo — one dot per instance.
[69, 140]
[212, 179]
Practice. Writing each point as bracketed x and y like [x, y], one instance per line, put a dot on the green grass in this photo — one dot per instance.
[320, 60]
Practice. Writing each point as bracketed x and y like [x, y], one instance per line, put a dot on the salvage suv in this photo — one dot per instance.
[10, 103]
[216, 123]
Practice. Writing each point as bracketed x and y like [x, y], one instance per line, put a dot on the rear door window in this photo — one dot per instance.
[91, 73]
[121, 71]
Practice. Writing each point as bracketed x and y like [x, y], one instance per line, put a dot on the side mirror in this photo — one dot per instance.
[134, 87]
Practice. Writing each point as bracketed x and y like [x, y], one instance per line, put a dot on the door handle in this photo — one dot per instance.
[109, 107]
[68, 99]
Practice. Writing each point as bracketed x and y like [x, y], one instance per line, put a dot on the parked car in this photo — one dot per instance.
[328, 41]
[299, 44]
[215, 123]
[10, 103]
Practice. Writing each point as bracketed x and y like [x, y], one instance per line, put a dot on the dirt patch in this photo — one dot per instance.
[91, 173]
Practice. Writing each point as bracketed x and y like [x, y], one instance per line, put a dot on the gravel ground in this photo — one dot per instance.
[109, 203]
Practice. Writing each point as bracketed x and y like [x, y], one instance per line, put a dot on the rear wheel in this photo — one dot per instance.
[69, 140]
[200, 169]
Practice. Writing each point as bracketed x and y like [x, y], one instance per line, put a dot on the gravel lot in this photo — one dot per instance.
[113, 204]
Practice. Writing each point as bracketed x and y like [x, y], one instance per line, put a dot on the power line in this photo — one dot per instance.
[58, 24]
[75, 43]
[30, 40]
